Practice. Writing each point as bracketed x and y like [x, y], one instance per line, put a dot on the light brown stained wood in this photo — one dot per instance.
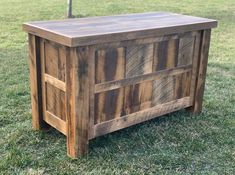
[77, 86]
[55, 101]
[165, 57]
[55, 60]
[109, 65]
[56, 122]
[140, 116]
[139, 61]
[35, 83]
[55, 82]
[201, 74]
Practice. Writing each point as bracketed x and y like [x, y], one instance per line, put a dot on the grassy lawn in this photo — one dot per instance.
[175, 144]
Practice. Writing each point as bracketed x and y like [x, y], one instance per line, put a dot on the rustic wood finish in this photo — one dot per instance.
[93, 76]
[88, 31]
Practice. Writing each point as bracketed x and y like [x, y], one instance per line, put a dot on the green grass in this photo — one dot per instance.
[175, 144]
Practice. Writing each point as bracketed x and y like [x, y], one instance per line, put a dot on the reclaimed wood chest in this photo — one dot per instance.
[93, 76]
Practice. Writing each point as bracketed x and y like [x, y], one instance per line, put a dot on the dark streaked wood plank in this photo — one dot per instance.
[165, 57]
[109, 64]
[108, 105]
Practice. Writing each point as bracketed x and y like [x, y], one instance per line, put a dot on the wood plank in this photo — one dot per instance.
[77, 85]
[55, 82]
[141, 116]
[91, 75]
[35, 83]
[89, 31]
[55, 56]
[110, 65]
[143, 78]
[56, 122]
[108, 105]
[196, 53]
[165, 58]
[139, 60]
[55, 101]
[201, 75]
[186, 48]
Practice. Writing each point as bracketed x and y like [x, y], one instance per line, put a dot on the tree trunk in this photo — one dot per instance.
[69, 14]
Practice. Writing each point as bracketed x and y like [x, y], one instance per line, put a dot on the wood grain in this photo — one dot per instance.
[55, 82]
[35, 83]
[77, 83]
[201, 74]
[110, 65]
[141, 116]
[56, 122]
[165, 57]
[139, 60]
[89, 31]
[111, 85]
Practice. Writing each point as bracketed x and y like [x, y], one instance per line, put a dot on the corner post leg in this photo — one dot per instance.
[36, 83]
[201, 72]
[77, 97]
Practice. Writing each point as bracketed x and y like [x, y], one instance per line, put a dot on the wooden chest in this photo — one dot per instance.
[93, 76]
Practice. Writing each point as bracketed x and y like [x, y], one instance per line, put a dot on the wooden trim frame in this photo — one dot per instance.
[77, 90]
[201, 72]
[36, 83]
[102, 87]
[138, 117]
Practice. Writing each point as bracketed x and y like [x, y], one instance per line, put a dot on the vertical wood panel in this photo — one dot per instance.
[77, 84]
[201, 72]
[139, 61]
[55, 101]
[110, 65]
[55, 57]
[165, 57]
[35, 83]
[186, 46]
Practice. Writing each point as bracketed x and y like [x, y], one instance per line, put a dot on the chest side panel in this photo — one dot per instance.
[139, 75]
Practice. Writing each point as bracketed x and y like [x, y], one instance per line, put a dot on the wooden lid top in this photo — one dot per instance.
[88, 31]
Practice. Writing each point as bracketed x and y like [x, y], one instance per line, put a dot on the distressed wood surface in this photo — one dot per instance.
[141, 116]
[201, 72]
[36, 83]
[115, 78]
[89, 31]
[111, 85]
[77, 86]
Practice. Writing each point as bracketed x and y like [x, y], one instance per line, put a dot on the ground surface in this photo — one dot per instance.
[176, 144]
